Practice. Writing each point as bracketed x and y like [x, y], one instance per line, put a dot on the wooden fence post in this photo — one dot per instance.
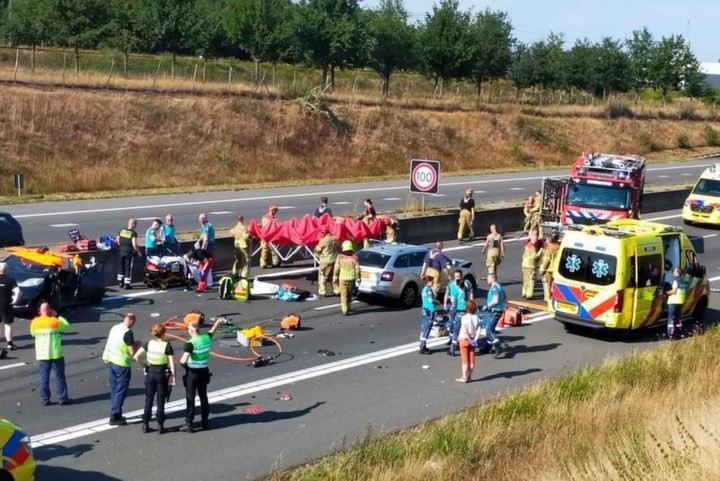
[230, 77]
[112, 67]
[17, 63]
[194, 75]
[64, 66]
[157, 71]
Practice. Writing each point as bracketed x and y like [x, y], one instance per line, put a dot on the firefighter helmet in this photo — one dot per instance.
[347, 246]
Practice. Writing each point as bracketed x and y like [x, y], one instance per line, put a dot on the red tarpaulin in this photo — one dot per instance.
[306, 230]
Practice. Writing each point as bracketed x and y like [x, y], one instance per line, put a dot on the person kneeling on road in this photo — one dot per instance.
[458, 292]
[196, 354]
[468, 341]
[429, 308]
[495, 304]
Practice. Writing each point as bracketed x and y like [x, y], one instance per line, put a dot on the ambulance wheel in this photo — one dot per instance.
[687, 222]
[409, 296]
[5, 476]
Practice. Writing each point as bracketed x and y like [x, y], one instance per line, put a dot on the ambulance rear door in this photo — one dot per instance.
[647, 282]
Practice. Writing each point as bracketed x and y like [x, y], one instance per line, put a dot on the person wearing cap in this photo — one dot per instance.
[196, 354]
[153, 238]
[323, 208]
[170, 241]
[242, 253]
[550, 250]
[266, 252]
[467, 216]
[347, 271]
[207, 236]
[327, 250]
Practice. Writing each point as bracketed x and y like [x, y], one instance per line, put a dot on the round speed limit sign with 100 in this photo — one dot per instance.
[424, 177]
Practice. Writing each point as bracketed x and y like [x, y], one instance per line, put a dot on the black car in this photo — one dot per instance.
[11, 233]
[61, 287]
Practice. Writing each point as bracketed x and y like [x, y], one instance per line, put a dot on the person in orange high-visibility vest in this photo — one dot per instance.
[347, 271]
[266, 251]
[46, 329]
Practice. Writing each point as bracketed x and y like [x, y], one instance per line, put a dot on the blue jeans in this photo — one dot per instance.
[427, 323]
[491, 322]
[674, 323]
[454, 327]
[45, 367]
[119, 385]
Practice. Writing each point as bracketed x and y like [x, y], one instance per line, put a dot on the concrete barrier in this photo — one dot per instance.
[417, 230]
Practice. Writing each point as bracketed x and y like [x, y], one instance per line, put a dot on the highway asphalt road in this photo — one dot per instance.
[375, 378]
[48, 222]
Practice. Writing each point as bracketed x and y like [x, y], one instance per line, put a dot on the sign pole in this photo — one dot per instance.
[423, 203]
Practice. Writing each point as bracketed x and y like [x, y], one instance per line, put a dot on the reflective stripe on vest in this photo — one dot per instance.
[116, 351]
[680, 293]
[156, 353]
[46, 331]
[200, 355]
[347, 266]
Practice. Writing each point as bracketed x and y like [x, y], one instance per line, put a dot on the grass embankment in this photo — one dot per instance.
[649, 415]
[86, 142]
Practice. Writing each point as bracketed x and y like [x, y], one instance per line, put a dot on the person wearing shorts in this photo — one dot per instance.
[468, 341]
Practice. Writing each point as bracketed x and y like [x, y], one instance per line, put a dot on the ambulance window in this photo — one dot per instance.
[649, 270]
[591, 267]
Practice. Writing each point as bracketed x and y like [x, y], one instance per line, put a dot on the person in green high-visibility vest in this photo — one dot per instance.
[46, 329]
[196, 354]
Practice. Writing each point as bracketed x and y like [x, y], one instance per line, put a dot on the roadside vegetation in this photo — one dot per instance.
[653, 414]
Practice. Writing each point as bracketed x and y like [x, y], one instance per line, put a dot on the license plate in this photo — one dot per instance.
[364, 275]
[565, 307]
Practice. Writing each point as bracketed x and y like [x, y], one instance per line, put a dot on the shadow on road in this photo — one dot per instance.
[264, 417]
[105, 396]
[515, 349]
[46, 453]
[56, 473]
[509, 374]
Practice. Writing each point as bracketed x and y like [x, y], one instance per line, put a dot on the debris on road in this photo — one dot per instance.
[326, 352]
[284, 396]
[254, 410]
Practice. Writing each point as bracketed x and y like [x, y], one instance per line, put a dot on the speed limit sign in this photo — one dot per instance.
[424, 176]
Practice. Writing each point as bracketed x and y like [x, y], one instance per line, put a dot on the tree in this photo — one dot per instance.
[639, 49]
[549, 59]
[128, 28]
[172, 24]
[491, 47]
[32, 23]
[81, 24]
[611, 67]
[445, 39]
[393, 40]
[261, 28]
[331, 34]
[666, 69]
[522, 70]
[580, 66]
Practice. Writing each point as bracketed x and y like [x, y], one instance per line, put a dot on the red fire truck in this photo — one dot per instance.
[601, 188]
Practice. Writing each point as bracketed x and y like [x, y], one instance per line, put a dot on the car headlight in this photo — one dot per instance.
[32, 282]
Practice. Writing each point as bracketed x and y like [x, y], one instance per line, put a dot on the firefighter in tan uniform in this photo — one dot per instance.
[327, 249]
[494, 248]
[466, 216]
[532, 214]
[532, 252]
[552, 246]
[242, 254]
[265, 250]
[347, 271]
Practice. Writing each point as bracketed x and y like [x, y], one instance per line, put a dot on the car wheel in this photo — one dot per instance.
[409, 295]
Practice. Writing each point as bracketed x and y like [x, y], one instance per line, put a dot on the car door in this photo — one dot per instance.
[648, 280]
[416, 261]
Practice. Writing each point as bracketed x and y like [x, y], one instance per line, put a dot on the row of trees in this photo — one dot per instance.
[449, 44]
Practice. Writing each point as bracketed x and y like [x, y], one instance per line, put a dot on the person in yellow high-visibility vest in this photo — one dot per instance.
[676, 299]
[549, 252]
[46, 328]
[532, 252]
[327, 249]
[347, 271]
[159, 362]
[118, 353]
[242, 254]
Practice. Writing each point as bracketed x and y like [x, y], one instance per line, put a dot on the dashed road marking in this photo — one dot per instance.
[147, 218]
[286, 207]
[10, 366]
[69, 224]
[342, 202]
[330, 306]
[392, 198]
[517, 188]
[221, 212]
[709, 236]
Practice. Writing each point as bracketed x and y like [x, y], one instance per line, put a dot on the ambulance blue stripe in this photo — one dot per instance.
[12, 444]
[567, 294]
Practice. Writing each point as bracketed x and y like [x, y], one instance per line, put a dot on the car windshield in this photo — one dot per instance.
[707, 187]
[369, 258]
[599, 196]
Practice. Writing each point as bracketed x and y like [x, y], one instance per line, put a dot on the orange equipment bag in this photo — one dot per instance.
[194, 317]
[291, 322]
[512, 316]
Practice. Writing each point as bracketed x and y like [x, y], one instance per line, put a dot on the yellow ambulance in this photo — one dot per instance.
[613, 276]
[17, 457]
[703, 204]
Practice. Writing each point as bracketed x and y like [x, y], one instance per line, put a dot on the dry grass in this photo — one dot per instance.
[649, 415]
[84, 142]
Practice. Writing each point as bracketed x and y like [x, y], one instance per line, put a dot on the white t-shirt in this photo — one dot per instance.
[469, 326]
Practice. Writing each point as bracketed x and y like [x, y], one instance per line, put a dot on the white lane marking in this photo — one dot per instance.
[713, 279]
[391, 198]
[304, 194]
[684, 173]
[543, 317]
[517, 188]
[10, 366]
[69, 224]
[709, 236]
[146, 218]
[664, 217]
[134, 294]
[322, 308]
[302, 270]
[663, 176]
[286, 207]
[440, 195]
[342, 202]
[220, 212]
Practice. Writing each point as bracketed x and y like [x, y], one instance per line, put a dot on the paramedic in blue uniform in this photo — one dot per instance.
[207, 235]
[153, 238]
[126, 241]
[494, 306]
[429, 308]
[172, 246]
[457, 293]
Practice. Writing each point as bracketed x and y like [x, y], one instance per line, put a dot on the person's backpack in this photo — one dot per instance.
[242, 290]
[226, 288]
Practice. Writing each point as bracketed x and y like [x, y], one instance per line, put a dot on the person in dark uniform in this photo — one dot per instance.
[9, 295]
[128, 248]
[196, 354]
[159, 375]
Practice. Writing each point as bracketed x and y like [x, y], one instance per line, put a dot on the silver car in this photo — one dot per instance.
[393, 271]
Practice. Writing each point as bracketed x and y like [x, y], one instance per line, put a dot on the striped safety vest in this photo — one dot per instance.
[200, 355]
[46, 331]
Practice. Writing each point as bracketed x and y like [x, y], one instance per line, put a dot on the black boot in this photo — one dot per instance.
[145, 427]
[187, 428]
[206, 424]
[161, 428]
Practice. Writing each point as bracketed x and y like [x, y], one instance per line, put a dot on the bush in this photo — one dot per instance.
[682, 141]
[518, 154]
[533, 128]
[688, 112]
[617, 110]
[646, 140]
[711, 136]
